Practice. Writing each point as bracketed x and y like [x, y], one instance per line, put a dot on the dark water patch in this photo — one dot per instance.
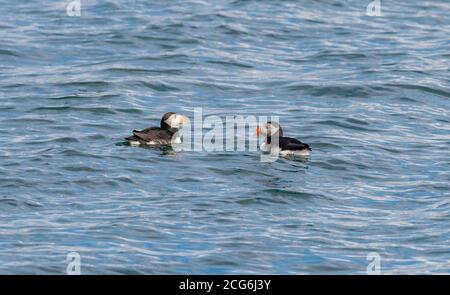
[82, 182]
[125, 179]
[145, 71]
[329, 166]
[229, 63]
[157, 86]
[8, 53]
[111, 183]
[154, 38]
[8, 182]
[331, 91]
[134, 170]
[388, 149]
[77, 153]
[223, 86]
[190, 41]
[18, 203]
[187, 179]
[8, 201]
[422, 88]
[51, 108]
[231, 30]
[15, 85]
[119, 42]
[129, 111]
[64, 139]
[93, 110]
[80, 168]
[98, 137]
[408, 99]
[259, 201]
[289, 193]
[410, 71]
[248, 201]
[235, 171]
[335, 123]
[345, 163]
[168, 46]
[357, 121]
[29, 120]
[325, 145]
[67, 97]
[89, 84]
[122, 271]
[84, 97]
[166, 56]
[337, 55]
[6, 108]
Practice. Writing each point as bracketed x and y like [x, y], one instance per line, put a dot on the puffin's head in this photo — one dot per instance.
[269, 129]
[173, 120]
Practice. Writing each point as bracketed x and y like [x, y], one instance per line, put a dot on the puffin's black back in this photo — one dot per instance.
[280, 130]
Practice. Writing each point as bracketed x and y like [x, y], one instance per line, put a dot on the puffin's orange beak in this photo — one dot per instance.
[184, 120]
[258, 131]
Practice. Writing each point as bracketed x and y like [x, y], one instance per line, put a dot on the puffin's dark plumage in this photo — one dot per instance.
[292, 144]
[166, 134]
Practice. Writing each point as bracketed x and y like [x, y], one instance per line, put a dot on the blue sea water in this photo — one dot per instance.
[370, 94]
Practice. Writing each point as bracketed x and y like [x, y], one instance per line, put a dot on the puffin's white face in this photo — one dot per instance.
[267, 129]
[177, 121]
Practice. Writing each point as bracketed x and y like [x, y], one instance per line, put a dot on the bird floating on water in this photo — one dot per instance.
[165, 135]
[287, 146]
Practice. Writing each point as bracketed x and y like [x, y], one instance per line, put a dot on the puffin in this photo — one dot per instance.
[165, 135]
[287, 146]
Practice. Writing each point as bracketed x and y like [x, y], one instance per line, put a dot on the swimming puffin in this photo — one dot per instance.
[164, 135]
[287, 146]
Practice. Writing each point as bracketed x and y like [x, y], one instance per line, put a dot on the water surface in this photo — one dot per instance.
[369, 94]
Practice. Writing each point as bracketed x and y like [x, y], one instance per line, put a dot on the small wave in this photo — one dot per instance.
[165, 56]
[289, 193]
[63, 139]
[6, 201]
[146, 71]
[332, 91]
[94, 110]
[83, 96]
[437, 91]
[8, 53]
[80, 168]
[158, 86]
[329, 166]
[352, 126]
[93, 84]
[77, 153]
[28, 119]
[232, 30]
[230, 63]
